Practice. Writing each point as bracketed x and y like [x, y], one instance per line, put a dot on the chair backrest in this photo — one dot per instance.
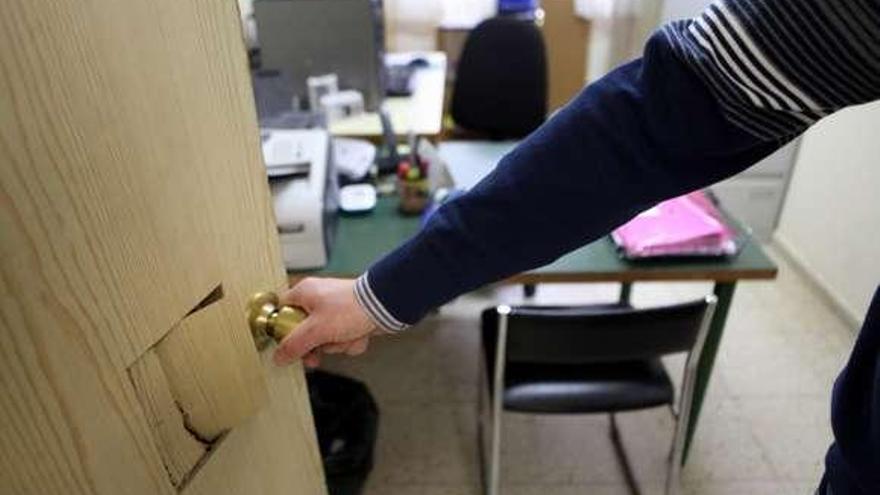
[580, 335]
[501, 79]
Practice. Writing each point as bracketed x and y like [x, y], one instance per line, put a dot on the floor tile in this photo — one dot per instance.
[557, 449]
[795, 432]
[424, 443]
[568, 489]
[740, 488]
[420, 489]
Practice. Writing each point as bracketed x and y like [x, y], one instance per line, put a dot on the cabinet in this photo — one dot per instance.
[756, 195]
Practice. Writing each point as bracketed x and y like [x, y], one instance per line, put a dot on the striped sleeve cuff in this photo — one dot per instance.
[374, 308]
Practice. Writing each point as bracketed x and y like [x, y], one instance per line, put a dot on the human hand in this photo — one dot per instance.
[336, 323]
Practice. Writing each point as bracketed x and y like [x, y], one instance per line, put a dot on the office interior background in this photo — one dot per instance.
[799, 196]
[120, 392]
[812, 205]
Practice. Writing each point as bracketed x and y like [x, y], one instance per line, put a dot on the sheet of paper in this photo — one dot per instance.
[469, 161]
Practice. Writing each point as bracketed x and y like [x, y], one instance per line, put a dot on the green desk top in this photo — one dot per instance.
[360, 240]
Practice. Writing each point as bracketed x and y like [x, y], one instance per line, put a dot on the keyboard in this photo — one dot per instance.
[399, 80]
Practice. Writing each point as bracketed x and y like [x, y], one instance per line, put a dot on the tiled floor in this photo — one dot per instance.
[764, 427]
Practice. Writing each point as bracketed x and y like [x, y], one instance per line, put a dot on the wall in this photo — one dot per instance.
[682, 9]
[618, 31]
[830, 222]
[412, 24]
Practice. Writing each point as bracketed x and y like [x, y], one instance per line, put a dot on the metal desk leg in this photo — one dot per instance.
[625, 292]
[724, 292]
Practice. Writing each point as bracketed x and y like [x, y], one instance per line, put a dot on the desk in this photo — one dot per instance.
[362, 240]
[421, 112]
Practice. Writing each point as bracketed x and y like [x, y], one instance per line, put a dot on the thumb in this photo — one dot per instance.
[299, 343]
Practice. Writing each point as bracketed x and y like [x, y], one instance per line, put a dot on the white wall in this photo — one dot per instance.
[682, 9]
[412, 24]
[830, 222]
[618, 31]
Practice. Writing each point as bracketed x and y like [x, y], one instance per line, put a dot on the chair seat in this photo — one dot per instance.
[601, 387]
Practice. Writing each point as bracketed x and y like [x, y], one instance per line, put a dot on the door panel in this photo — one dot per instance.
[69, 421]
[249, 459]
[131, 186]
[214, 376]
[180, 448]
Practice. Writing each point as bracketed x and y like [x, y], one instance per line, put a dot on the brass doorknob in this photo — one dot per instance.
[269, 320]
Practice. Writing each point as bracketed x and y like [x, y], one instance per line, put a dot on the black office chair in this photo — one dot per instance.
[500, 90]
[588, 359]
[500, 87]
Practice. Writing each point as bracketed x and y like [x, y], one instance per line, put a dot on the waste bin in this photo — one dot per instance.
[347, 421]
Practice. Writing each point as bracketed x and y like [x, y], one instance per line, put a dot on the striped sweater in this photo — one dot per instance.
[710, 97]
[777, 67]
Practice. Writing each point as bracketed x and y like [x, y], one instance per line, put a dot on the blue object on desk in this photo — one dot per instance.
[517, 6]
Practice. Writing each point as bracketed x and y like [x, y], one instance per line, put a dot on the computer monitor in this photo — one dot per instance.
[307, 38]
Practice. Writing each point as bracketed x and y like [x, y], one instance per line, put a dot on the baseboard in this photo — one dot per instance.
[785, 249]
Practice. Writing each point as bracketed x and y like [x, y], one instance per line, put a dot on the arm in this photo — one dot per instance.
[648, 131]
[710, 97]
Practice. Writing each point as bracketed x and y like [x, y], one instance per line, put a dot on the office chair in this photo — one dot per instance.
[588, 359]
[500, 87]
[500, 90]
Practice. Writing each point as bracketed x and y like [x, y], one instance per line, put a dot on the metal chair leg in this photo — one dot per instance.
[481, 433]
[494, 484]
[622, 459]
[673, 472]
[487, 438]
[689, 380]
[673, 469]
[496, 401]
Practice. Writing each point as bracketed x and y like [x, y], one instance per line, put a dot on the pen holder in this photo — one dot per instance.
[414, 195]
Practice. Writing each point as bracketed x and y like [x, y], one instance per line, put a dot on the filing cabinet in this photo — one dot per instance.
[756, 196]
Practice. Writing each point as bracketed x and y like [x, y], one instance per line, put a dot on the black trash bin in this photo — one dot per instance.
[346, 420]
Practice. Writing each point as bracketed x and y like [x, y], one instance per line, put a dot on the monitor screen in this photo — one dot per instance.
[307, 38]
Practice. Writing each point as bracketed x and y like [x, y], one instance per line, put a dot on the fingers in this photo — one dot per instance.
[351, 348]
[308, 338]
[334, 348]
[302, 294]
[358, 347]
[312, 360]
[299, 343]
[336, 322]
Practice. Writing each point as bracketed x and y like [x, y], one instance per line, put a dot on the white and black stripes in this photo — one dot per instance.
[778, 66]
[377, 312]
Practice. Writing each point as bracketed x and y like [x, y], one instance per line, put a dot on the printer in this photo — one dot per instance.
[305, 193]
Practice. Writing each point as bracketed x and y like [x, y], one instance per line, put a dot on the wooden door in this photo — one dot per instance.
[135, 222]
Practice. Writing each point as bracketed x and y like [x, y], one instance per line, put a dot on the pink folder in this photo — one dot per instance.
[683, 226]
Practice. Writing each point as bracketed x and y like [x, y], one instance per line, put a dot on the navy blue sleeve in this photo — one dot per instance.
[647, 131]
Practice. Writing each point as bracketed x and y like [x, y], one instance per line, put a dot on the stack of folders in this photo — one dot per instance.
[688, 225]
